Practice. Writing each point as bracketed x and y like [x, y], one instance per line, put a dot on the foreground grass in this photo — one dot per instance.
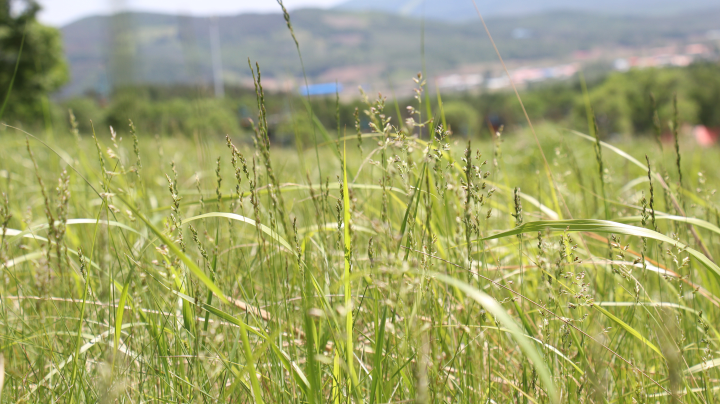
[379, 268]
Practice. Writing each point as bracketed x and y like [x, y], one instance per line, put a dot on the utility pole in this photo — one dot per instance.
[216, 58]
[122, 57]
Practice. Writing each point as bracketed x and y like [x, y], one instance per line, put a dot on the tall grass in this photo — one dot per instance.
[400, 279]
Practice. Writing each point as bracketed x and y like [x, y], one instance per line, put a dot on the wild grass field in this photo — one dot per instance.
[404, 264]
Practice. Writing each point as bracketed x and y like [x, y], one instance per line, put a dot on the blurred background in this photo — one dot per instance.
[181, 67]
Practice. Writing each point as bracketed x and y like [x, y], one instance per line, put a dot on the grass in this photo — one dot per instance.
[211, 270]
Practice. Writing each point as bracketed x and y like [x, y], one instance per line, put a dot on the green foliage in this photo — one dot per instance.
[85, 109]
[185, 110]
[461, 118]
[401, 280]
[704, 90]
[41, 68]
[622, 102]
[300, 126]
[174, 116]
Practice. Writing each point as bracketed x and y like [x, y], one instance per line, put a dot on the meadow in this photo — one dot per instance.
[400, 264]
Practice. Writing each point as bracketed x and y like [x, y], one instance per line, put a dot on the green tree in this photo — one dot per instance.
[706, 92]
[461, 118]
[622, 102]
[32, 63]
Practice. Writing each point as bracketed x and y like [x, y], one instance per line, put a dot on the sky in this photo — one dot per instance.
[62, 12]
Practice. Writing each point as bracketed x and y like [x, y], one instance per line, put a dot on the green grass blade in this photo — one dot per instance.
[416, 190]
[176, 250]
[712, 363]
[94, 341]
[616, 150]
[15, 234]
[321, 128]
[680, 219]
[629, 329]
[243, 219]
[375, 394]
[119, 315]
[250, 364]
[2, 373]
[348, 289]
[605, 226]
[494, 308]
[290, 366]
[442, 110]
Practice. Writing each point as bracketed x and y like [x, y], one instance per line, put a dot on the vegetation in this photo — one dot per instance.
[621, 102]
[31, 62]
[382, 266]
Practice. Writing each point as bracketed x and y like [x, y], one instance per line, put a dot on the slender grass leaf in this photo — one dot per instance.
[416, 190]
[348, 290]
[70, 222]
[494, 308]
[119, 314]
[680, 219]
[176, 250]
[290, 366]
[608, 146]
[712, 363]
[375, 394]
[605, 226]
[243, 219]
[635, 333]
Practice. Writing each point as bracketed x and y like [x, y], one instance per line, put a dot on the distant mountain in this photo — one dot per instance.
[464, 9]
[348, 46]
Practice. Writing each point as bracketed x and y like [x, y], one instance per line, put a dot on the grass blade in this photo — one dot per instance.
[119, 316]
[348, 290]
[494, 308]
[2, 373]
[290, 366]
[605, 226]
[243, 219]
[680, 219]
[414, 195]
[629, 329]
[377, 362]
[176, 250]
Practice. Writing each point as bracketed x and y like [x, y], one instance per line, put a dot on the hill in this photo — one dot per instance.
[350, 47]
[464, 9]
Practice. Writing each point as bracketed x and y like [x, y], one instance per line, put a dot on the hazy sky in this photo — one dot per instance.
[61, 12]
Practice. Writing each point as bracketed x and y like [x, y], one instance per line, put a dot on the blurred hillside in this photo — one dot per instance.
[354, 47]
[464, 9]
